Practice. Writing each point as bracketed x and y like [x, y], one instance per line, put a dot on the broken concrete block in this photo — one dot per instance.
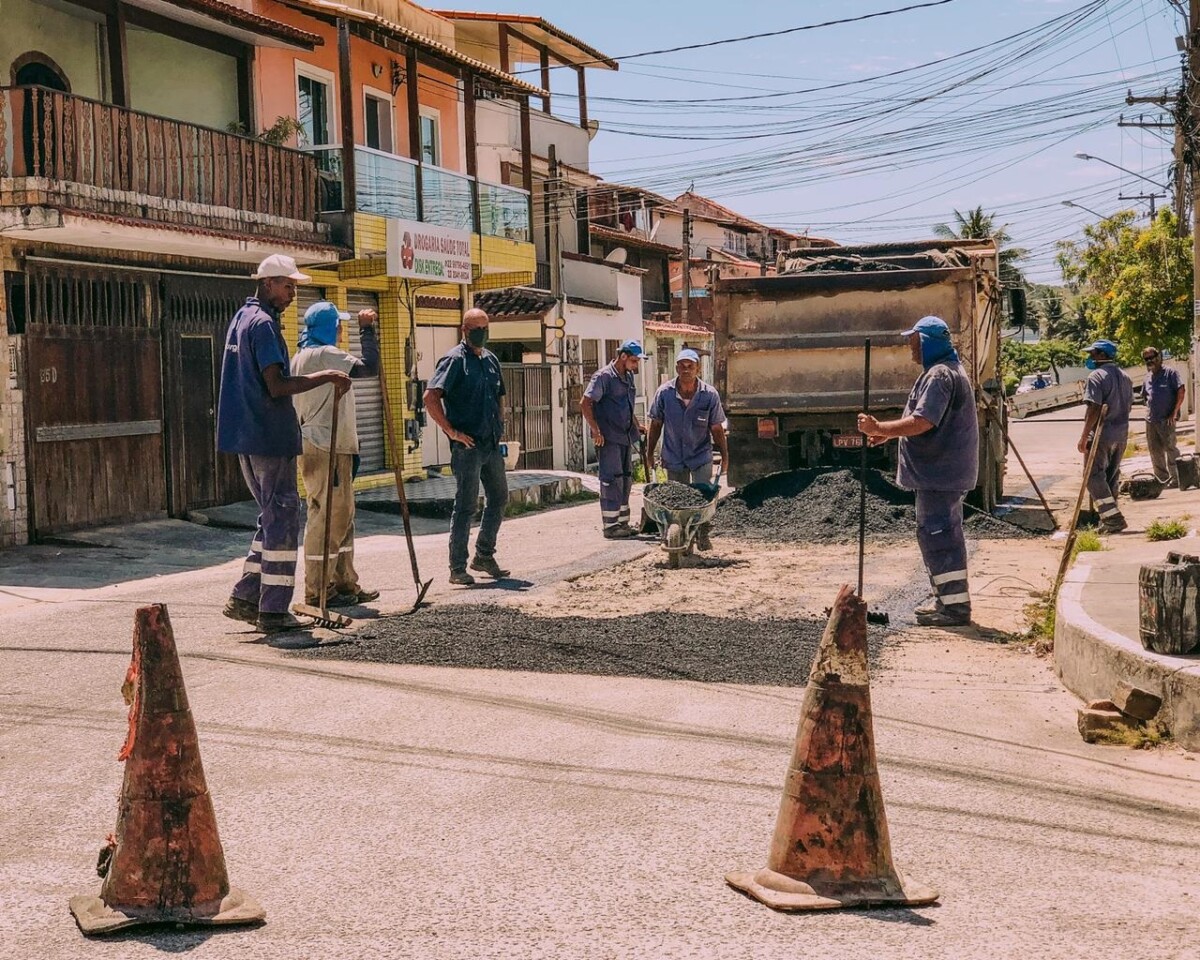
[1136, 702]
[1106, 705]
[1100, 724]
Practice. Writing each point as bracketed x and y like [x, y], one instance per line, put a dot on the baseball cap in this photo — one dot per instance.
[631, 347]
[1106, 347]
[929, 327]
[687, 353]
[280, 265]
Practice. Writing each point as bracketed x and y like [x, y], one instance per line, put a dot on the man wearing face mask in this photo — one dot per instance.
[939, 461]
[608, 408]
[463, 399]
[1107, 385]
[1164, 393]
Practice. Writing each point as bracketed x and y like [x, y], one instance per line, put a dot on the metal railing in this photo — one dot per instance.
[542, 278]
[59, 136]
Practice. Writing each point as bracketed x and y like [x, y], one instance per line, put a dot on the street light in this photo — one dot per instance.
[1080, 206]
[1117, 166]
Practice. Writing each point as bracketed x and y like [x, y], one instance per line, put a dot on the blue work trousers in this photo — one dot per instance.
[269, 573]
[1104, 479]
[472, 465]
[944, 547]
[615, 462]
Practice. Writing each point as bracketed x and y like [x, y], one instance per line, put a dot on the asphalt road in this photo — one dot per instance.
[409, 810]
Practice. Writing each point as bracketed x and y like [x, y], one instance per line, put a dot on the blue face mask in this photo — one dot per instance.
[936, 350]
[1090, 363]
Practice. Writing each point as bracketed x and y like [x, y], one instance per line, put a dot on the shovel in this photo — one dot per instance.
[873, 616]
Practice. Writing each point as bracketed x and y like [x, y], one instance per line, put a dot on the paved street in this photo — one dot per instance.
[395, 810]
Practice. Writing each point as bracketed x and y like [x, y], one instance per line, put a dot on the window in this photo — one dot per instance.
[735, 242]
[314, 100]
[378, 119]
[431, 143]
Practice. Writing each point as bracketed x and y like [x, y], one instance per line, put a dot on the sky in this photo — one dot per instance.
[879, 129]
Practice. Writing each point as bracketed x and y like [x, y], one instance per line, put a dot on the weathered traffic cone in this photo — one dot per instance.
[831, 846]
[165, 864]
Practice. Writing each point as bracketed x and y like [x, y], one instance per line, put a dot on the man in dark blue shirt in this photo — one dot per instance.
[1164, 393]
[463, 398]
[1106, 388]
[939, 461]
[608, 408]
[256, 421]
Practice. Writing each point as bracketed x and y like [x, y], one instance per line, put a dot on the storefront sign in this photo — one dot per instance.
[423, 251]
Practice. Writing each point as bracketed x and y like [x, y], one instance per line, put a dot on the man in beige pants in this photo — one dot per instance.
[319, 351]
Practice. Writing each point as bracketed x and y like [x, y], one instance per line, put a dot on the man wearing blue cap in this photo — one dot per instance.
[939, 462]
[1107, 385]
[608, 408]
[319, 351]
[687, 413]
[257, 421]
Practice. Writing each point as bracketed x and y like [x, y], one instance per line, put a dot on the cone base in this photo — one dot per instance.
[781, 892]
[96, 918]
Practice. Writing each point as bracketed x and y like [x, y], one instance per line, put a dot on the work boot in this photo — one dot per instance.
[489, 566]
[1115, 525]
[238, 609]
[352, 598]
[619, 531]
[461, 578]
[702, 541]
[280, 623]
[933, 617]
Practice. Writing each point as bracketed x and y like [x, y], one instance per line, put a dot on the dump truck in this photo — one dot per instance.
[789, 351]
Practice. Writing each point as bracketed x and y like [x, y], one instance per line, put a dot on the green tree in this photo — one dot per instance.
[1134, 283]
[977, 225]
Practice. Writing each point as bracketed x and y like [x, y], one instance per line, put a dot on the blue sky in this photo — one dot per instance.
[885, 158]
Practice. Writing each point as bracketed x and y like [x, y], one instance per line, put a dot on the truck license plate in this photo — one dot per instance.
[848, 440]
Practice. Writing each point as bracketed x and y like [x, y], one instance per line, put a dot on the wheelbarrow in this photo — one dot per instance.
[677, 528]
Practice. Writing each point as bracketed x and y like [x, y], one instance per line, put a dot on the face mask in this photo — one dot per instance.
[477, 337]
[1090, 363]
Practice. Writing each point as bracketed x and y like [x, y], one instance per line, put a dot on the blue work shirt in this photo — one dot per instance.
[249, 419]
[1109, 384]
[471, 386]
[1161, 391]
[613, 397]
[687, 428]
[946, 457]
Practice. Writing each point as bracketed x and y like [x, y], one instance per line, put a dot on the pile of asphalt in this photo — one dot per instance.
[660, 646]
[677, 496]
[814, 506]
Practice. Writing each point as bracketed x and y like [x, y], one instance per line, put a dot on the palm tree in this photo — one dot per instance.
[977, 225]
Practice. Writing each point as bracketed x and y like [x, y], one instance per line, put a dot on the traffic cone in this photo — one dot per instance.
[165, 864]
[831, 846]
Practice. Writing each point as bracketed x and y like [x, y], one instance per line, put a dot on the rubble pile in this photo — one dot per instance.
[677, 496]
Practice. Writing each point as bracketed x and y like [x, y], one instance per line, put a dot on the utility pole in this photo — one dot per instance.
[1191, 94]
[1144, 196]
[686, 288]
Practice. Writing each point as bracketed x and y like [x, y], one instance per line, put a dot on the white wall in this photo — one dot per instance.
[181, 80]
[623, 322]
[570, 140]
[498, 132]
[72, 40]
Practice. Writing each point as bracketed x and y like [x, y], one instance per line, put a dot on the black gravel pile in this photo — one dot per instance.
[813, 506]
[677, 496]
[661, 646]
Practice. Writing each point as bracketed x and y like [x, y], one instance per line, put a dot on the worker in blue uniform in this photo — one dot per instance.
[608, 408]
[1108, 387]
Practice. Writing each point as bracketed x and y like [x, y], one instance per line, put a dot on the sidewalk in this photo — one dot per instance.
[1096, 640]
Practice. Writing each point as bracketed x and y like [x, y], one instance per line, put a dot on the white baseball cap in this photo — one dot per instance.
[280, 265]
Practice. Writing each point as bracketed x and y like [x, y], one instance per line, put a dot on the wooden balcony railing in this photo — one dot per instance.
[61, 137]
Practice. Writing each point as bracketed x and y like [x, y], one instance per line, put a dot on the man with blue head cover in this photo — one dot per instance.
[686, 412]
[1108, 386]
[319, 351]
[939, 462]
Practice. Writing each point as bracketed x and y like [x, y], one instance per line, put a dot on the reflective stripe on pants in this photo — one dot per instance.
[269, 573]
[615, 463]
[944, 546]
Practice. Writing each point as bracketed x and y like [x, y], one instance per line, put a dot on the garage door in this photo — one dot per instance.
[368, 396]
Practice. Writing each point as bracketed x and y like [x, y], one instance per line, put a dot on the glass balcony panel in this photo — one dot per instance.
[503, 212]
[447, 198]
[385, 184]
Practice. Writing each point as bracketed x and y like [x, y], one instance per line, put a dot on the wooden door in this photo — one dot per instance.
[198, 412]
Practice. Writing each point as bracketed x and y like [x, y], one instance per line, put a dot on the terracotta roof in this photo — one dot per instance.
[531, 21]
[663, 326]
[336, 11]
[514, 302]
[235, 16]
[631, 239]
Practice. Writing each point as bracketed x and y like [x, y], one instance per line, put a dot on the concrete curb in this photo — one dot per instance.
[1090, 659]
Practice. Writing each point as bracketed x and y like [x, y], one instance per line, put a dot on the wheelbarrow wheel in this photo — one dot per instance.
[675, 545]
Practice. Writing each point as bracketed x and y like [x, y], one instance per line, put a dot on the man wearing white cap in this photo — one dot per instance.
[256, 421]
[319, 351]
[687, 413]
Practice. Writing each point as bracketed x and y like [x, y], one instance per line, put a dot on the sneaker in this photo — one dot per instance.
[489, 566]
[619, 531]
[461, 578]
[340, 599]
[1114, 526]
[280, 623]
[942, 618]
[238, 609]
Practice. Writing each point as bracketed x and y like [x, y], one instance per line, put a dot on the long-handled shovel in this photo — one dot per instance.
[398, 473]
[872, 616]
[322, 616]
[1072, 530]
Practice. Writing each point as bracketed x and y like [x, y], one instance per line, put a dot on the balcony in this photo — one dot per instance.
[69, 153]
[386, 185]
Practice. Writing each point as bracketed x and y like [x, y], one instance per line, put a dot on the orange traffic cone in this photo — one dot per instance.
[165, 864]
[831, 846]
